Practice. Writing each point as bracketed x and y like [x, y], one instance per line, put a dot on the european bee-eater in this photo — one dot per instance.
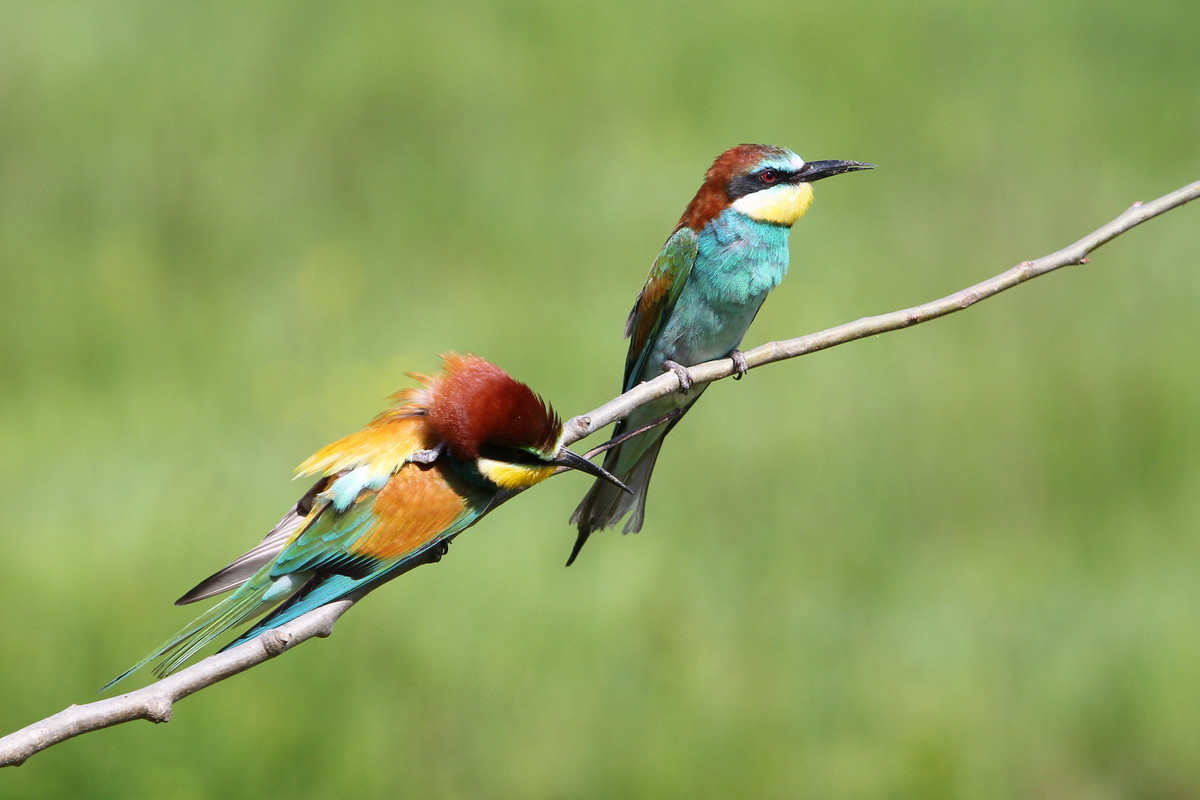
[727, 252]
[413, 478]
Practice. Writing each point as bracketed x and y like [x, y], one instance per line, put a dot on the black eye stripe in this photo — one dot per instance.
[509, 455]
[743, 185]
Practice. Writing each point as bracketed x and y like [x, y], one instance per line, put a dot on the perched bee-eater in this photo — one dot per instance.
[413, 478]
[727, 252]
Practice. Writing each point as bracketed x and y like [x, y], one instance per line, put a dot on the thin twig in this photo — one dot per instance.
[155, 702]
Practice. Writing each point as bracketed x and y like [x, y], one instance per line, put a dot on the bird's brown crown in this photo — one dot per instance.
[473, 403]
[713, 196]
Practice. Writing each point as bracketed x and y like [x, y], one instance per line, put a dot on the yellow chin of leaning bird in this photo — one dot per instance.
[781, 205]
[514, 476]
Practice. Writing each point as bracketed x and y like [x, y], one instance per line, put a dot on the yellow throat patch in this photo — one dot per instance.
[514, 476]
[781, 205]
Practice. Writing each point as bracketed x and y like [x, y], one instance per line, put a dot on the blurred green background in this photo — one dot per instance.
[957, 561]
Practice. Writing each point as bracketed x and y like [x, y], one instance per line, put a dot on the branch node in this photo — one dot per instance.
[580, 427]
[158, 709]
[276, 641]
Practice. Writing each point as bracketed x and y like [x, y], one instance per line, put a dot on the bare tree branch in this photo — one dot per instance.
[155, 702]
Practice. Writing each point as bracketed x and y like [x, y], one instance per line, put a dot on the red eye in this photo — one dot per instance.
[768, 176]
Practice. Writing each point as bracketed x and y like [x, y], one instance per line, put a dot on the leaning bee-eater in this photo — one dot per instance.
[412, 479]
[727, 252]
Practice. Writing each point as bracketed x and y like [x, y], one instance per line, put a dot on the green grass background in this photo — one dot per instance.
[958, 561]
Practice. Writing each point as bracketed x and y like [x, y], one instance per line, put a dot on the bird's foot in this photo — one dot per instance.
[739, 364]
[681, 372]
[438, 551]
[427, 456]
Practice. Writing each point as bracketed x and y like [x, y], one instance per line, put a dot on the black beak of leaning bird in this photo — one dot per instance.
[570, 460]
[816, 170]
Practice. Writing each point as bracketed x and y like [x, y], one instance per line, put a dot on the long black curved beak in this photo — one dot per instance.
[816, 170]
[570, 460]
